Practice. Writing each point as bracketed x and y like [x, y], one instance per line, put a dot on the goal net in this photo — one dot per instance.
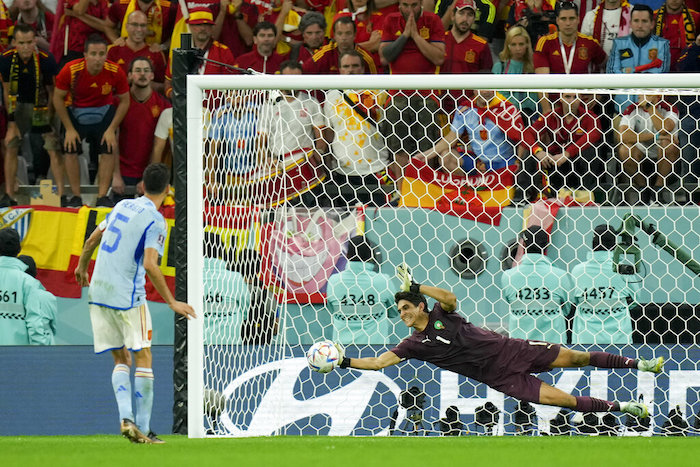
[555, 208]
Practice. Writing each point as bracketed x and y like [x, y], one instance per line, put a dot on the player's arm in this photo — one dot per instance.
[150, 264]
[81, 274]
[371, 363]
[448, 300]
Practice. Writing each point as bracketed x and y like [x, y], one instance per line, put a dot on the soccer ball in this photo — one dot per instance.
[322, 356]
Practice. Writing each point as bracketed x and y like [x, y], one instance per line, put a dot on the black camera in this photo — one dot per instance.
[538, 23]
[486, 416]
[413, 399]
[451, 425]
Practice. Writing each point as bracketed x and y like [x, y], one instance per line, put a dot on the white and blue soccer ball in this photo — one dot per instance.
[322, 357]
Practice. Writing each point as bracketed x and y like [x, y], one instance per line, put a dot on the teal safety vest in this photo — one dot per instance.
[538, 295]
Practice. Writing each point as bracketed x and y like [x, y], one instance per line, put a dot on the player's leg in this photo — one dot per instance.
[106, 161]
[105, 170]
[569, 358]
[143, 374]
[11, 150]
[71, 163]
[143, 389]
[549, 395]
[73, 172]
[121, 383]
[52, 146]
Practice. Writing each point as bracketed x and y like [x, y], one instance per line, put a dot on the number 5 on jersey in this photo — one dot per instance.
[116, 232]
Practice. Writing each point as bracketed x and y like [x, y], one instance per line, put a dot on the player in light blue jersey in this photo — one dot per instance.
[537, 292]
[361, 300]
[602, 296]
[130, 241]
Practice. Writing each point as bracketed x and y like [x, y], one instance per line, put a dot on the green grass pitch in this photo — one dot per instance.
[305, 451]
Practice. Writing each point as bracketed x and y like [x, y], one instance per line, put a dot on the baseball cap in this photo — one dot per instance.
[200, 15]
[9, 242]
[465, 4]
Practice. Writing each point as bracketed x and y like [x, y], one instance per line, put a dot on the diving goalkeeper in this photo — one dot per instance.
[445, 339]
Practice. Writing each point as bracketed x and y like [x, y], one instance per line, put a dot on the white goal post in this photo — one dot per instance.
[427, 239]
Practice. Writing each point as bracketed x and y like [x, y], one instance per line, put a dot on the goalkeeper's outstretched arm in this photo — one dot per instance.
[448, 300]
[370, 363]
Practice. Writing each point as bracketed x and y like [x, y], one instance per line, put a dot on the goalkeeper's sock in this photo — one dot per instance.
[608, 360]
[121, 383]
[143, 392]
[591, 404]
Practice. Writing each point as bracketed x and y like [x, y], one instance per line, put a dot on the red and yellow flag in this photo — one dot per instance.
[478, 197]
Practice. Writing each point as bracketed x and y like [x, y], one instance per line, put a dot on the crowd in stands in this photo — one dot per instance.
[100, 72]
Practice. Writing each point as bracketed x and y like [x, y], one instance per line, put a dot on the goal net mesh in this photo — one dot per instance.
[559, 215]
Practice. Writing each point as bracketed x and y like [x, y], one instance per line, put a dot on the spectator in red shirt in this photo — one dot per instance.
[412, 42]
[35, 14]
[567, 50]
[327, 59]
[84, 100]
[234, 25]
[5, 25]
[369, 23]
[160, 19]
[263, 58]
[679, 24]
[134, 45]
[136, 130]
[465, 51]
[570, 134]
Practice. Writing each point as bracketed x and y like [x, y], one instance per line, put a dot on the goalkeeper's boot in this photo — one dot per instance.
[154, 438]
[653, 365]
[637, 409]
[131, 432]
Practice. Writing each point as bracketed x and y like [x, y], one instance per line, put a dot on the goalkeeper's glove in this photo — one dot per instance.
[407, 282]
[343, 362]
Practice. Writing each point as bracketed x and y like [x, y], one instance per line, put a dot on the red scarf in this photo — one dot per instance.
[624, 21]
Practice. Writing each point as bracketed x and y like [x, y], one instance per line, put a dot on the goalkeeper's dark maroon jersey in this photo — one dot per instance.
[452, 343]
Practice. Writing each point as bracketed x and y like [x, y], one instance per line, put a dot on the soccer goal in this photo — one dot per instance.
[298, 185]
